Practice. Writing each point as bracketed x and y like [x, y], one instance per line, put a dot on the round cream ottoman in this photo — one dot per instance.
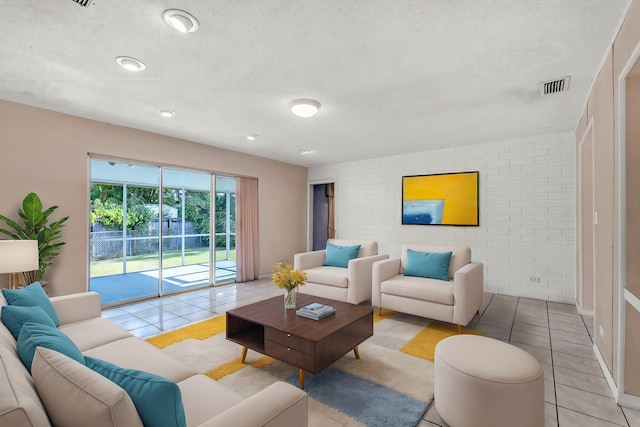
[483, 382]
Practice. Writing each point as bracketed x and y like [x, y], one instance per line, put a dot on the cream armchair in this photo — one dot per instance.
[351, 284]
[456, 300]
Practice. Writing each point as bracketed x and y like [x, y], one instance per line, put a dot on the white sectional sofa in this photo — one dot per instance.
[206, 402]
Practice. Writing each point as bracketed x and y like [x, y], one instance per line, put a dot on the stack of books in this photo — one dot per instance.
[315, 311]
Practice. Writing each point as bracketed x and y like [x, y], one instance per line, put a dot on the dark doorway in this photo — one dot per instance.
[323, 215]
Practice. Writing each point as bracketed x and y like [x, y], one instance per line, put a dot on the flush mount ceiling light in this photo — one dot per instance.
[130, 64]
[166, 113]
[251, 136]
[180, 20]
[304, 107]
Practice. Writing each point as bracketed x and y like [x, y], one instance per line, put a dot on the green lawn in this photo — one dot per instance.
[150, 261]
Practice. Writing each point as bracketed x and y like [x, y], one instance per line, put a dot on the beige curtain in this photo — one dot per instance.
[247, 250]
[331, 227]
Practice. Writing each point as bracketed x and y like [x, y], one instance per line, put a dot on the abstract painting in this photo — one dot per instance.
[441, 199]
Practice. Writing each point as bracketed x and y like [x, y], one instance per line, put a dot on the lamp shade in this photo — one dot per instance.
[17, 256]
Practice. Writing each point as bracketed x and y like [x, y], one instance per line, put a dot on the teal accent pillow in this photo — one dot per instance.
[33, 335]
[29, 296]
[14, 316]
[157, 399]
[339, 256]
[433, 265]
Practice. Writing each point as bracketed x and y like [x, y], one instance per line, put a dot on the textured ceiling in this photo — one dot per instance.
[393, 76]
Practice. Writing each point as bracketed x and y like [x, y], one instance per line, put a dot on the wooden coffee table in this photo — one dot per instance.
[309, 345]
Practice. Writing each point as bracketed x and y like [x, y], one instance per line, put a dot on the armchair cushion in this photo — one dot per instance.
[432, 265]
[419, 288]
[332, 276]
[339, 256]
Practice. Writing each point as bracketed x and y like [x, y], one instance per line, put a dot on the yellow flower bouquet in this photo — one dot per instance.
[286, 278]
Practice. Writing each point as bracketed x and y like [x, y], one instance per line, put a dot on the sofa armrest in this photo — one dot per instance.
[381, 271]
[359, 272]
[468, 288]
[279, 405]
[75, 307]
[306, 260]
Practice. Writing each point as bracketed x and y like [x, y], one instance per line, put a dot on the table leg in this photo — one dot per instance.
[244, 354]
[356, 352]
[301, 375]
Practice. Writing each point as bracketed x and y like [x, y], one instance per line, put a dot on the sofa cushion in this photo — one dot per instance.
[135, 353]
[157, 399]
[14, 316]
[76, 396]
[93, 332]
[419, 288]
[332, 276]
[339, 256]
[29, 296]
[33, 335]
[20, 405]
[433, 265]
[5, 336]
[198, 404]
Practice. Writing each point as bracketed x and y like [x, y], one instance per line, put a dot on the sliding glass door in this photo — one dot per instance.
[225, 229]
[134, 207]
[186, 225]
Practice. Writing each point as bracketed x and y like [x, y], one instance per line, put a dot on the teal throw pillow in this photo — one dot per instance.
[339, 256]
[33, 335]
[157, 399]
[433, 265]
[14, 316]
[29, 296]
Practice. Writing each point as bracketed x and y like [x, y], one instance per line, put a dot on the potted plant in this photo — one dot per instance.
[36, 227]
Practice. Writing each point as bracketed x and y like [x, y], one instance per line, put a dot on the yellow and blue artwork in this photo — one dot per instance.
[441, 199]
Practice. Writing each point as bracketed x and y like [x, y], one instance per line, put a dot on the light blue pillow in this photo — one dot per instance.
[33, 335]
[14, 316]
[433, 265]
[339, 256]
[157, 399]
[29, 296]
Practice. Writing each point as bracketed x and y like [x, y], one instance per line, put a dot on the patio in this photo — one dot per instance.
[118, 288]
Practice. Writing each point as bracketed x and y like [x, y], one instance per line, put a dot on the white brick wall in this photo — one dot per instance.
[526, 237]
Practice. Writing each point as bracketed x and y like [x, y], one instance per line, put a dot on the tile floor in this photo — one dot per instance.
[576, 393]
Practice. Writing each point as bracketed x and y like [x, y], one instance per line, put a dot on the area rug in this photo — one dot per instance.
[391, 383]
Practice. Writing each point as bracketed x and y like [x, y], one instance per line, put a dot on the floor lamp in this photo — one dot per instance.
[18, 256]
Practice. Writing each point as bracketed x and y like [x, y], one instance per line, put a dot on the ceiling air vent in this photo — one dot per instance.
[83, 3]
[555, 86]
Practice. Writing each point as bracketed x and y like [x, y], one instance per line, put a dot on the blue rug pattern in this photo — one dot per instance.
[370, 403]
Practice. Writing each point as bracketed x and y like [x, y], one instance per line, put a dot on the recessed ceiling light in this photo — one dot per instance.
[304, 107]
[251, 136]
[304, 152]
[180, 20]
[130, 64]
[166, 113]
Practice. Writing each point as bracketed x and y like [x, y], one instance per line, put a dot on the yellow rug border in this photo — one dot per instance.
[199, 331]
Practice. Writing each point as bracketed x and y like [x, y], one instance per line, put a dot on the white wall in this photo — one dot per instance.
[527, 226]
